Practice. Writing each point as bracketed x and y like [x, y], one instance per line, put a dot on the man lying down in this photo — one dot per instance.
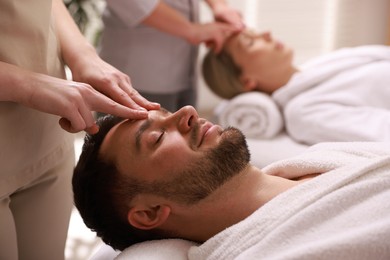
[175, 175]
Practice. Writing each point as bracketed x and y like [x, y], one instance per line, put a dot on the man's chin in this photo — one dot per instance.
[230, 129]
[233, 132]
[233, 143]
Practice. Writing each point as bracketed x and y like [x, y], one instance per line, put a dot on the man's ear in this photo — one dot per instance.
[248, 83]
[148, 217]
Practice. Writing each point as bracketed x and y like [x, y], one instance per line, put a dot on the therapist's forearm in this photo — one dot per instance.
[13, 83]
[74, 45]
[168, 20]
[215, 4]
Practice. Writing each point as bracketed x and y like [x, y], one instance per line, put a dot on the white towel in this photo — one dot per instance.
[341, 214]
[165, 249]
[254, 113]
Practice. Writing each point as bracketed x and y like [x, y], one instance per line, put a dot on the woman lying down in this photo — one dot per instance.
[178, 176]
[339, 96]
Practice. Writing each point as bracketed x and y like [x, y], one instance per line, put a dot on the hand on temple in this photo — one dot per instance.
[227, 14]
[111, 82]
[213, 34]
[74, 103]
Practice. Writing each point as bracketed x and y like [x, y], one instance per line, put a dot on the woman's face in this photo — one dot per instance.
[260, 57]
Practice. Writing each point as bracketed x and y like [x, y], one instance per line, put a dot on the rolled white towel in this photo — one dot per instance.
[254, 113]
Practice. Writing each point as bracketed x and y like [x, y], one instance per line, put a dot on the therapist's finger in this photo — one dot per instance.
[137, 98]
[123, 93]
[78, 119]
[235, 21]
[92, 130]
[232, 17]
[67, 126]
[219, 40]
[101, 103]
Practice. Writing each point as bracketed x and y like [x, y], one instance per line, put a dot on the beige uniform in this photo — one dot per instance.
[36, 155]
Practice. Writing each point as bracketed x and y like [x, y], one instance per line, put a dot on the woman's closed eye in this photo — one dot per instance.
[247, 40]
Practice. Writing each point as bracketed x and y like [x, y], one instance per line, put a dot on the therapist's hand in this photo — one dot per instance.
[225, 13]
[212, 34]
[231, 16]
[111, 82]
[72, 101]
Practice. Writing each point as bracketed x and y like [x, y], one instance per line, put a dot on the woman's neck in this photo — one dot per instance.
[279, 79]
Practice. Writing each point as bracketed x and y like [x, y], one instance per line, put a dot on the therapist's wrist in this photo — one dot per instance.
[80, 56]
[217, 5]
[192, 33]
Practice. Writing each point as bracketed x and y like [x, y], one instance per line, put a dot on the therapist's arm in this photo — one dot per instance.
[88, 67]
[168, 20]
[71, 101]
[225, 13]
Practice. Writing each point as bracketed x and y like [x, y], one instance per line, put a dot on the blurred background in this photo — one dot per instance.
[310, 27]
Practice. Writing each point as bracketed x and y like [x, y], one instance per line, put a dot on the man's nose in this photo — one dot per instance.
[186, 117]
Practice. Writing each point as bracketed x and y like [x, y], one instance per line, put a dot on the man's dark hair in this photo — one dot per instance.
[101, 193]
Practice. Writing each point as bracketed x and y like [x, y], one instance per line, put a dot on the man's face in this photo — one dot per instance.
[259, 55]
[180, 155]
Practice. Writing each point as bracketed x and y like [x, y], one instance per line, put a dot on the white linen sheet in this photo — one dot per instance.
[267, 151]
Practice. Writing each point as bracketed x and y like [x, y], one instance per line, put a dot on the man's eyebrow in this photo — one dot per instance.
[164, 111]
[144, 126]
[138, 135]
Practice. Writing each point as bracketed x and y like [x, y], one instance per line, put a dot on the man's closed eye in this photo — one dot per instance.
[160, 137]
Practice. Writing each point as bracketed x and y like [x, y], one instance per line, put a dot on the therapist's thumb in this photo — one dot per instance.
[67, 126]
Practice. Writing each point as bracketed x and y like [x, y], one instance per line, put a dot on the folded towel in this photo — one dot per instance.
[254, 113]
[343, 213]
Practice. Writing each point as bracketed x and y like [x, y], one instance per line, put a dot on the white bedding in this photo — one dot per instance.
[266, 151]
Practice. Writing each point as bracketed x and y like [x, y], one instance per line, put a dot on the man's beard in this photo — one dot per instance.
[204, 176]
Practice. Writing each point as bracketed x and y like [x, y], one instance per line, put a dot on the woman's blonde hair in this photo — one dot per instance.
[222, 75]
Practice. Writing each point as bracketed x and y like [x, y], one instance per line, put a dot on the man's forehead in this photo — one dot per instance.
[108, 147]
[129, 122]
[114, 137]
